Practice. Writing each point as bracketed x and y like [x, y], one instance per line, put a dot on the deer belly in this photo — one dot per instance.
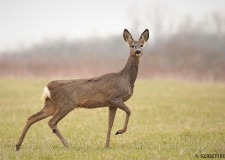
[92, 102]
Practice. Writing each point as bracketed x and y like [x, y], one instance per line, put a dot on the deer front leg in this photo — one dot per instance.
[122, 106]
[112, 113]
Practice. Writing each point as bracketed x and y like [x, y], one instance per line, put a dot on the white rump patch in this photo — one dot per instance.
[46, 93]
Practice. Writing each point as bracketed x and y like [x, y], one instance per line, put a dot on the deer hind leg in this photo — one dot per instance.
[48, 110]
[112, 113]
[60, 114]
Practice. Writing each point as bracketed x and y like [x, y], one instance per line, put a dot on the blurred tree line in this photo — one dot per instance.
[194, 51]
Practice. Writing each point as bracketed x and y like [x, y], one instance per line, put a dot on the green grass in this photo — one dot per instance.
[169, 120]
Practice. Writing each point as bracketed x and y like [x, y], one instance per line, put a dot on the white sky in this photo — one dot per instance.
[23, 22]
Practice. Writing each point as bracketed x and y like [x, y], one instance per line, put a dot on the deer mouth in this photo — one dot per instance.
[138, 54]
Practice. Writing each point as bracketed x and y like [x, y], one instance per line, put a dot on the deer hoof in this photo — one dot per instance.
[107, 146]
[118, 132]
[18, 147]
[66, 145]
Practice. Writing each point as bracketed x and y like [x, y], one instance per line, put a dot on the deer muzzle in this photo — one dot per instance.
[138, 53]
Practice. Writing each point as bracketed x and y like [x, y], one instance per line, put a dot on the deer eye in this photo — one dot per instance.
[132, 46]
[141, 45]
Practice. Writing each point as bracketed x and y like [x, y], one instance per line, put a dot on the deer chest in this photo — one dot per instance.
[128, 93]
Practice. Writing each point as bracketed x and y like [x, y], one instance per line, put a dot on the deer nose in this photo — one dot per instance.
[138, 52]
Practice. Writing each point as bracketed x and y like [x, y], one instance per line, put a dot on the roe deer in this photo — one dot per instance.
[111, 90]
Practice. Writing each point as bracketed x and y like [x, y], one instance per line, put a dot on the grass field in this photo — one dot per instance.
[169, 120]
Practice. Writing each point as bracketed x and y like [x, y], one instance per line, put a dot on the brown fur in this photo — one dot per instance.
[110, 90]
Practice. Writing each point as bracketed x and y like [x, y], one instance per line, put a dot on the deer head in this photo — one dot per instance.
[136, 47]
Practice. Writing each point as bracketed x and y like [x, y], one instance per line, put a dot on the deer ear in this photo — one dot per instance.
[144, 36]
[127, 36]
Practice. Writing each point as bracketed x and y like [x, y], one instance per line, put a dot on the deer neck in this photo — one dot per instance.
[130, 71]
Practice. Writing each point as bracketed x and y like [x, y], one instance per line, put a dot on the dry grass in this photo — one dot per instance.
[170, 120]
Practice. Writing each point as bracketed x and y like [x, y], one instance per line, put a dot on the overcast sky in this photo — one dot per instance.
[25, 22]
